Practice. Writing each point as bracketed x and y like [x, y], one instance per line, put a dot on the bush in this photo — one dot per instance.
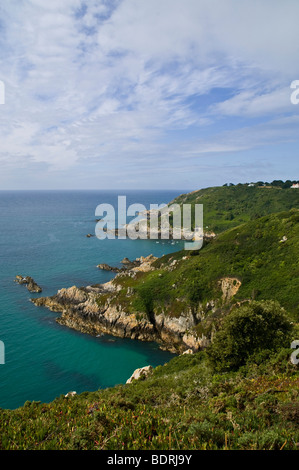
[247, 332]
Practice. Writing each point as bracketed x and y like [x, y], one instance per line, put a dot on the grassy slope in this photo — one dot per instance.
[229, 206]
[252, 252]
[183, 405]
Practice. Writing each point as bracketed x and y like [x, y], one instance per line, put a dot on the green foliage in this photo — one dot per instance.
[231, 205]
[181, 405]
[195, 291]
[243, 391]
[256, 253]
[149, 288]
[250, 331]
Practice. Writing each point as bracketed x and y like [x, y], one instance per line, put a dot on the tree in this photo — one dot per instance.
[278, 183]
[287, 184]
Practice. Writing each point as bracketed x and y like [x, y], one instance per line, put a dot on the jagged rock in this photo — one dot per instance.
[81, 309]
[192, 341]
[70, 394]
[106, 267]
[139, 264]
[143, 372]
[110, 286]
[229, 287]
[209, 235]
[32, 286]
[130, 264]
[96, 310]
[188, 351]
[145, 263]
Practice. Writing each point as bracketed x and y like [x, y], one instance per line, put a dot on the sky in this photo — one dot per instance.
[147, 94]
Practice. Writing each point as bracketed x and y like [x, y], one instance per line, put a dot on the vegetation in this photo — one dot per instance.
[232, 205]
[242, 391]
[262, 254]
[184, 404]
[249, 331]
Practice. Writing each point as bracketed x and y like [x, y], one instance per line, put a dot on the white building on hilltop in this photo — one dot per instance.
[296, 185]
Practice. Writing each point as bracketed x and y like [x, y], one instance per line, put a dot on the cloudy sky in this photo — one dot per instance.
[156, 94]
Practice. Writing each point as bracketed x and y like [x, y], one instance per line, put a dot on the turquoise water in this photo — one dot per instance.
[43, 235]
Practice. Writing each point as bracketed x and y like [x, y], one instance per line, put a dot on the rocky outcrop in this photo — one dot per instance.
[82, 310]
[93, 310]
[103, 309]
[173, 331]
[188, 351]
[141, 373]
[144, 263]
[107, 267]
[32, 286]
[128, 264]
[229, 287]
[70, 394]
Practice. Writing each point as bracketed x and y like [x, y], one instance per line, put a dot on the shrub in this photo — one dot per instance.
[248, 331]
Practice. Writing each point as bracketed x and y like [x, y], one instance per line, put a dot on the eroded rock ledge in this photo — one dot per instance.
[81, 310]
[97, 309]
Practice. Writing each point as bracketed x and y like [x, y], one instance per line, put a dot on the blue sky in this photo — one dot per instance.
[159, 94]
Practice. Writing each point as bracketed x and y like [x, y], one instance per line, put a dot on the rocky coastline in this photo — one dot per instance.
[95, 310]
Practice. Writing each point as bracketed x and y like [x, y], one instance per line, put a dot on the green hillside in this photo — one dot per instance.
[261, 254]
[229, 206]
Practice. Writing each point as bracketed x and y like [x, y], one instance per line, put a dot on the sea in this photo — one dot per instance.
[43, 235]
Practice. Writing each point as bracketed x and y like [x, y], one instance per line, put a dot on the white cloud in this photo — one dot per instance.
[251, 104]
[117, 83]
